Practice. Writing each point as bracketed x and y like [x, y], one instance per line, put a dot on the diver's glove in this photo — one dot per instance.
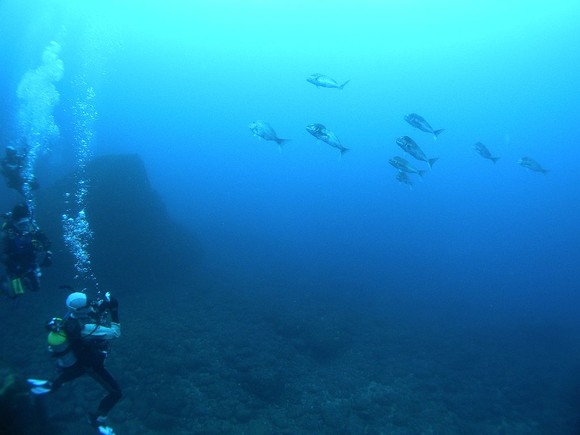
[47, 259]
[108, 302]
[39, 386]
[112, 301]
[113, 306]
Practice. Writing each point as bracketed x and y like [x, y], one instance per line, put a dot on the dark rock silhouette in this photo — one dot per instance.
[19, 415]
[135, 243]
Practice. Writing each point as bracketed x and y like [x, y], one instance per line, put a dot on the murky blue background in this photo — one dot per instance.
[477, 246]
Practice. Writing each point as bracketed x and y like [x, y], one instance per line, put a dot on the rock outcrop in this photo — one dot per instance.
[135, 243]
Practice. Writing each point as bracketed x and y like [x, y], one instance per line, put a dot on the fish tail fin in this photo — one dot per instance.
[436, 133]
[494, 159]
[343, 151]
[545, 171]
[281, 143]
[421, 172]
[343, 85]
[431, 162]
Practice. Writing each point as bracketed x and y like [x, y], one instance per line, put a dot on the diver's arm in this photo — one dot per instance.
[43, 239]
[91, 330]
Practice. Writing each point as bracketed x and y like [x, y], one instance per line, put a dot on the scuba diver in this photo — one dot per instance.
[13, 165]
[25, 249]
[79, 342]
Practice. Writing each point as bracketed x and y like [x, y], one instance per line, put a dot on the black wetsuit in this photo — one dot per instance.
[12, 167]
[90, 356]
[24, 252]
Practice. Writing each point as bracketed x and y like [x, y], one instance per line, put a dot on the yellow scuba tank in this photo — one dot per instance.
[58, 344]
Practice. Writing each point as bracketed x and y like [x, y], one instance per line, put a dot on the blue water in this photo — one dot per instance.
[492, 248]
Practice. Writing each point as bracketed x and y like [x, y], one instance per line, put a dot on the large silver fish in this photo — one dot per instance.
[320, 132]
[404, 166]
[410, 146]
[263, 130]
[325, 81]
[419, 122]
[484, 152]
[403, 178]
[532, 165]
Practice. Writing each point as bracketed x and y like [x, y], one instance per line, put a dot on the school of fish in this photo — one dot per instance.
[263, 130]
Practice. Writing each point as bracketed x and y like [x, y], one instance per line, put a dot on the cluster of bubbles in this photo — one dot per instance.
[38, 96]
[77, 235]
[77, 232]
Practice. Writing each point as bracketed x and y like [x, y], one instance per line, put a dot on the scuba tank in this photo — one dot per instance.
[58, 344]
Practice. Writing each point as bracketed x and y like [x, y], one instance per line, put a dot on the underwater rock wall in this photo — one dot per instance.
[135, 243]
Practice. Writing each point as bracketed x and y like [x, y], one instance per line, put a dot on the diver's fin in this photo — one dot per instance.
[40, 390]
[106, 430]
[39, 386]
[36, 382]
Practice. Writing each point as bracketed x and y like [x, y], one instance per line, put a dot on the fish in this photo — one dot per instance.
[325, 81]
[410, 146]
[403, 178]
[320, 132]
[264, 131]
[404, 166]
[484, 152]
[419, 122]
[532, 165]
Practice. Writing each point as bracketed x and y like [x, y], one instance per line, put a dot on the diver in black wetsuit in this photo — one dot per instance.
[25, 250]
[80, 344]
[12, 166]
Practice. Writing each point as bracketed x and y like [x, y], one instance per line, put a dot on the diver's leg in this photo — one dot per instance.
[6, 286]
[41, 386]
[32, 279]
[104, 378]
[66, 375]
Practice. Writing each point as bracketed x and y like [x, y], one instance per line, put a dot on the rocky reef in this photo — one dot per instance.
[135, 243]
